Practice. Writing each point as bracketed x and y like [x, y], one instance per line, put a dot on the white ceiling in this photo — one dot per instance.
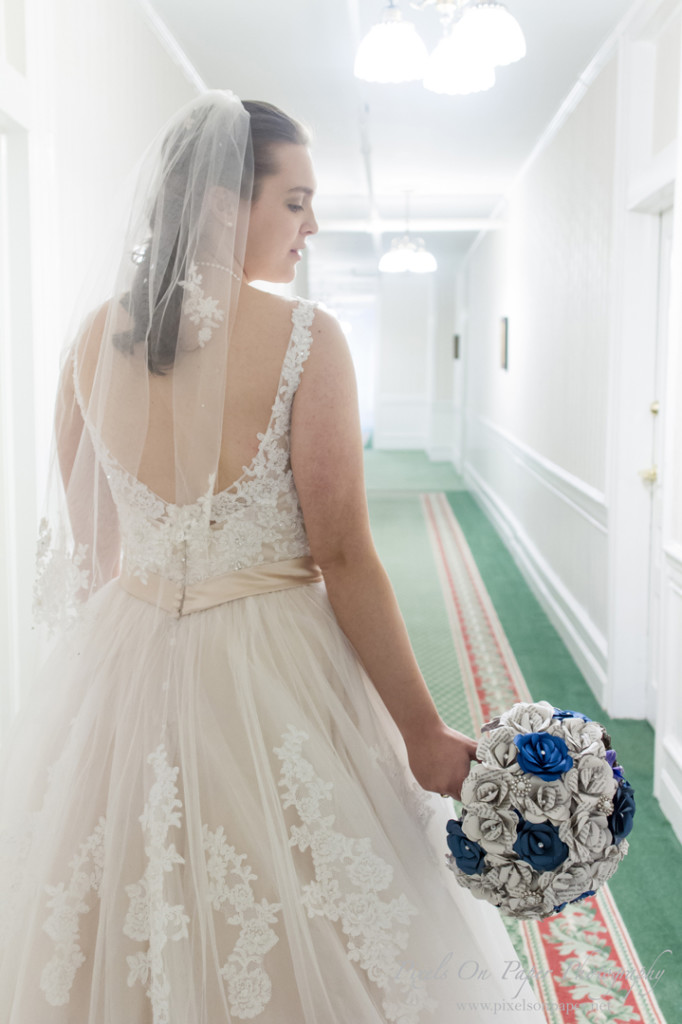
[456, 154]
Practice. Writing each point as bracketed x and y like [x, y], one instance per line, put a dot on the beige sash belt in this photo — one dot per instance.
[179, 599]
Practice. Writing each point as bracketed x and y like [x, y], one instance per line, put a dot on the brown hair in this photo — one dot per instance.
[268, 127]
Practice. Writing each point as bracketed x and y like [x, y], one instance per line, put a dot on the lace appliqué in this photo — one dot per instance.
[68, 903]
[200, 308]
[249, 987]
[348, 877]
[58, 578]
[182, 528]
[150, 916]
[257, 519]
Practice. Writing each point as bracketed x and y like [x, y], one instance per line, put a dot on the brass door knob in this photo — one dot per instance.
[649, 474]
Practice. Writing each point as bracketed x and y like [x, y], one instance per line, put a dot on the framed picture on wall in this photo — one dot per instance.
[504, 342]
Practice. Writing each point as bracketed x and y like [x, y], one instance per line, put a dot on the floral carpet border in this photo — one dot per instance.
[581, 963]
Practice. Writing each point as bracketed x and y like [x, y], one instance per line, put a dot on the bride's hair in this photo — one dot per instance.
[268, 127]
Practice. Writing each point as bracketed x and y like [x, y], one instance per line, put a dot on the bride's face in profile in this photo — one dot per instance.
[281, 218]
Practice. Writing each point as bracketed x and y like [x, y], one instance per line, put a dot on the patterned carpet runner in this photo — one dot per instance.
[581, 962]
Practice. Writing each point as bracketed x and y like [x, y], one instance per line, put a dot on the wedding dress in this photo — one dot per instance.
[209, 817]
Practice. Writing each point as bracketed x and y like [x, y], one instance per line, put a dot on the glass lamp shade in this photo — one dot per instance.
[407, 256]
[455, 68]
[423, 262]
[492, 34]
[391, 52]
[396, 260]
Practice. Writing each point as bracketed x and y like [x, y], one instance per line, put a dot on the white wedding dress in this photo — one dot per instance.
[210, 817]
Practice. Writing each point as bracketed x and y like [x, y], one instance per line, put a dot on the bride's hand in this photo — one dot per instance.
[440, 760]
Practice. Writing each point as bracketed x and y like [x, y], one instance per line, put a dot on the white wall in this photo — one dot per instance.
[403, 380]
[102, 85]
[414, 379]
[537, 432]
[554, 446]
[80, 101]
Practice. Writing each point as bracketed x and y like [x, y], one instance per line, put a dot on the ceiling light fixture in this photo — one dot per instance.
[478, 35]
[406, 253]
[392, 51]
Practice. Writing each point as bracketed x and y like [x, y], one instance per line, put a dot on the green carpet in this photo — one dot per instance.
[408, 471]
[650, 910]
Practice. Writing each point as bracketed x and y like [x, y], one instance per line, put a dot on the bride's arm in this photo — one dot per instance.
[327, 462]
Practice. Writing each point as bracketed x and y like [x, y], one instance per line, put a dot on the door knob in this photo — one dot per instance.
[649, 474]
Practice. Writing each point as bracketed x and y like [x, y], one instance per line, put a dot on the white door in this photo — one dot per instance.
[657, 484]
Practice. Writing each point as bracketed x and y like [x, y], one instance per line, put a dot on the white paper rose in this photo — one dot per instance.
[529, 717]
[497, 748]
[486, 785]
[571, 881]
[607, 864]
[590, 780]
[528, 905]
[492, 828]
[515, 876]
[580, 737]
[586, 834]
[539, 800]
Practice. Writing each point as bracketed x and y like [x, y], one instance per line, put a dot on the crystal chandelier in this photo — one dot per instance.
[407, 254]
[478, 36]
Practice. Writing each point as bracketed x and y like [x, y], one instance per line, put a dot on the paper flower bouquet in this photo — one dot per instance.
[545, 812]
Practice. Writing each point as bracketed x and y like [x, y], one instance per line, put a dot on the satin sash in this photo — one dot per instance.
[178, 599]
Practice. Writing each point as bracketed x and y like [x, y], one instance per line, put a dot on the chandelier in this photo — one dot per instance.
[478, 36]
[406, 253]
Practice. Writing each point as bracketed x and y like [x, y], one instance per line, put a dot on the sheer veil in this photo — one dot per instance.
[143, 375]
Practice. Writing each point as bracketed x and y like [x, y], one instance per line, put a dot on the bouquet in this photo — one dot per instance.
[546, 810]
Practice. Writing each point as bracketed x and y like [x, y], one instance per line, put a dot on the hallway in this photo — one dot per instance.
[403, 487]
[524, 396]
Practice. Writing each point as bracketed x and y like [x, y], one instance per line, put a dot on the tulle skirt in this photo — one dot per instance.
[212, 819]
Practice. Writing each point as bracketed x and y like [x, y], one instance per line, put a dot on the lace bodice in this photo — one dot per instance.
[257, 519]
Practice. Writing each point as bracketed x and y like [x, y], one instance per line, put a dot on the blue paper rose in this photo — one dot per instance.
[558, 713]
[469, 856]
[540, 845]
[620, 821]
[543, 755]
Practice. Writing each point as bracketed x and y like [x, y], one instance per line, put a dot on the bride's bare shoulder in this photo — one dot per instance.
[323, 323]
[257, 300]
[108, 317]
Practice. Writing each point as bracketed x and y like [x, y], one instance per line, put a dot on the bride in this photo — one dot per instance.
[222, 799]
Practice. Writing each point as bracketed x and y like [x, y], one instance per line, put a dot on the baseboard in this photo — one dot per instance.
[587, 645]
[668, 784]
